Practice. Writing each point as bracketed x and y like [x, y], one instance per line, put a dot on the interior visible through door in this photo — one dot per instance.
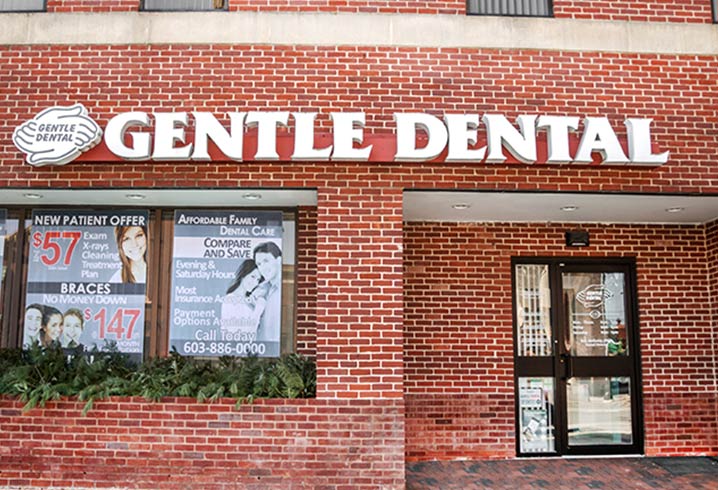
[576, 357]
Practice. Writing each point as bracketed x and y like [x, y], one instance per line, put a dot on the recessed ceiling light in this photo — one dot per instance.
[252, 196]
[676, 209]
[136, 197]
[569, 208]
[461, 206]
[32, 195]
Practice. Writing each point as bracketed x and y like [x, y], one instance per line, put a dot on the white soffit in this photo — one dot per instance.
[556, 207]
[242, 198]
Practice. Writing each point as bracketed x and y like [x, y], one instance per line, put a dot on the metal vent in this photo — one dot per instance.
[22, 5]
[522, 8]
[183, 5]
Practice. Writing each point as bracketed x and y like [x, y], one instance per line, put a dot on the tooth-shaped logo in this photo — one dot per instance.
[57, 135]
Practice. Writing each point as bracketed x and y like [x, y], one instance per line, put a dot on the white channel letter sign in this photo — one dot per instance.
[58, 135]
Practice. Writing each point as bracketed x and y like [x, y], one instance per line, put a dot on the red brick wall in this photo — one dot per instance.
[357, 339]
[381, 6]
[306, 299]
[697, 11]
[712, 262]
[93, 5]
[458, 333]
[269, 444]
[679, 93]
[359, 287]
[712, 239]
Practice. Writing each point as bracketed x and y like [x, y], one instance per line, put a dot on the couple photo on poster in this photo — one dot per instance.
[252, 305]
[227, 283]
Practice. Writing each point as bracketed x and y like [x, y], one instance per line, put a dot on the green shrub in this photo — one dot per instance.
[39, 374]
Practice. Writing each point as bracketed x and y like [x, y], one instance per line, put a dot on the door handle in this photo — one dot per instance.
[567, 362]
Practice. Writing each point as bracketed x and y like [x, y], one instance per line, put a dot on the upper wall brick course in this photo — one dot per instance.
[693, 11]
[678, 92]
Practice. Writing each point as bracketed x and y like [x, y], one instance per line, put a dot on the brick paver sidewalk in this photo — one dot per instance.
[567, 474]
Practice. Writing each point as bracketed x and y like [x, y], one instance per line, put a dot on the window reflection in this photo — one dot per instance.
[533, 310]
[599, 411]
[595, 304]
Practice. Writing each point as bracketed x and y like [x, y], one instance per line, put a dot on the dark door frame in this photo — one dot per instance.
[555, 367]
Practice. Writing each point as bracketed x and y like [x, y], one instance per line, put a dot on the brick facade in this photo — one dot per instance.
[269, 444]
[677, 92]
[374, 6]
[459, 340]
[431, 7]
[410, 323]
[93, 5]
[695, 11]
[712, 262]
[307, 281]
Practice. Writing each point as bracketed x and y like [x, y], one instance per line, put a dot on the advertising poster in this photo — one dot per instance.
[226, 283]
[86, 279]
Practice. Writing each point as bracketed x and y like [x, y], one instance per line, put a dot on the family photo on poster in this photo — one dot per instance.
[86, 283]
[227, 283]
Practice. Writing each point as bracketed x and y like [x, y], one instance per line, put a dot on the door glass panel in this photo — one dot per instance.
[596, 313]
[533, 310]
[536, 415]
[599, 411]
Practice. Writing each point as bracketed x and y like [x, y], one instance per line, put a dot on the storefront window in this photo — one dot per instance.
[9, 306]
[97, 276]
[87, 276]
[226, 285]
[4, 232]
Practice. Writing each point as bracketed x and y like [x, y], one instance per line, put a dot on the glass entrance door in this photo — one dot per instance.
[576, 363]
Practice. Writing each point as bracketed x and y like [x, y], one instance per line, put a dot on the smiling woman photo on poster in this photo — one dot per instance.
[245, 301]
[51, 329]
[268, 257]
[132, 249]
